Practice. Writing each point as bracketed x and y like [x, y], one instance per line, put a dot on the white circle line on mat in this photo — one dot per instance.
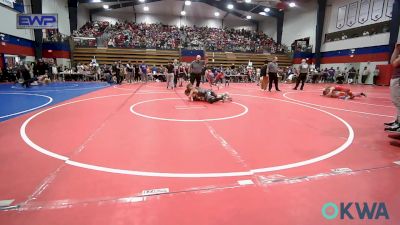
[50, 100]
[328, 107]
[330, 154]
[184, 120]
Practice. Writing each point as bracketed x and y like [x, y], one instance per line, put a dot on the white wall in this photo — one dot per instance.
[332, 12]
[114, 15]
[8, 18]
[83, 15]
[61, 8]
[300, 22]
[268, 26]
[360, 42]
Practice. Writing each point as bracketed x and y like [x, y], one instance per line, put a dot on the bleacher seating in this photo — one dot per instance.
[227, 58]
[110, 55]
[162, 57]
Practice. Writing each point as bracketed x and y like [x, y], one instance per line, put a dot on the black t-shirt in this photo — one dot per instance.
[114, 68]
[170, 68]
[107, 72]
[352, 73]
[263, 71]
[129, 69]
[136, 69]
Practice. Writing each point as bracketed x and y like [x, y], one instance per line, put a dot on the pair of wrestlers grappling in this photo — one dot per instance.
[208, 95]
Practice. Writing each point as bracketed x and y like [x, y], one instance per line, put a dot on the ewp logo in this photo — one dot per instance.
[37, 21]
[364, 211]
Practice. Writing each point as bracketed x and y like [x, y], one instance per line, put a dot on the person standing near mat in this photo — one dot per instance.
[137, 71]
[176, 67]
[264, 76]
[395, 89]
[272, 71]
[116, 71]
[365, 75]
[143, 72]
[352, 76]
[170, 76]
[130, 71]
[196, 70]
[303, 71]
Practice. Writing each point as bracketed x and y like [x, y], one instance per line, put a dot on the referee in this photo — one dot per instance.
[196, 70]
[304, 68]
[272, 70]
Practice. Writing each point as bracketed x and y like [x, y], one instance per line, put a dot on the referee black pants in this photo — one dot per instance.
[302, 77]
[273, 78]
[195, 76]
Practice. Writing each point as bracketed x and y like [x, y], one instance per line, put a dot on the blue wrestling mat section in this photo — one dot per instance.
[16, 100]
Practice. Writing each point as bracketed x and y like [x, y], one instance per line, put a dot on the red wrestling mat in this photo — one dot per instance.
[273, 158]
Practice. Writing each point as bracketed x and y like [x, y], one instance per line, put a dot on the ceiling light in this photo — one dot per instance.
[96, 1]
[141, 1]
[247, 1]
[183, 13]
[188, 2]
[106, 6]
[262, 13]
[146, 8]
[292, 4]
[216, 14]
[230, 6]
[267, 10]
[248, 17]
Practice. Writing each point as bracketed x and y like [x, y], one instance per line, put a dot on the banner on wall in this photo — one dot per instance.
[9, 3]
[14, 4]
[352, 14]
[389, 8]
[37, 21]
[363, 13]
[377, 9]
[341, 17]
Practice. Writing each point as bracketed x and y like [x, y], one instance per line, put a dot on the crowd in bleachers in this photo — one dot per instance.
[133, 35]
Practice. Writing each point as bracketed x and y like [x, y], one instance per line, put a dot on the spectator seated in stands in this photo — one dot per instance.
[132, 35]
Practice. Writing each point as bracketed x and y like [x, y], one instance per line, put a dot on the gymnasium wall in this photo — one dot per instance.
[354, 57]
[332, 15]
[367, 41]
[359, 52]
[300, 22]
[8, 18]
[83, 15]
[268, 26]
[61, 8]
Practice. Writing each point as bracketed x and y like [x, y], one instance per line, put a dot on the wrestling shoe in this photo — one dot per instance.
[394, 129]
[391, 123]
[394, 136]
[363, 94]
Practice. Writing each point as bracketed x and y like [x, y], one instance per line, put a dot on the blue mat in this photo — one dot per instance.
[16, 100]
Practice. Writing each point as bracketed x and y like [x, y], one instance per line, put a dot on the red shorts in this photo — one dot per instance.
[340, 88]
